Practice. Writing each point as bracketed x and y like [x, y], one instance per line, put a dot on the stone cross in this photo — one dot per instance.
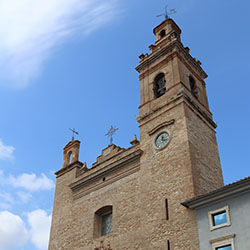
[110, 133]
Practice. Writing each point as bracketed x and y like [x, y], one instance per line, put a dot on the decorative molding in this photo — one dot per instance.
[164, 124]
[158, 65]
[223, 238]
[76, 164]
[104, 172]
[78, 194]
[173, 99]
[165, 50]
[114, 151]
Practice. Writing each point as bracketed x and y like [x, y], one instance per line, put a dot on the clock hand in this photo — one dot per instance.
[163, 138]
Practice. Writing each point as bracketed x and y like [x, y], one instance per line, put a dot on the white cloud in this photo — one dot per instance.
[30, 30]
[13, 233]
[32, 182]
[40, 222]
[6, 152]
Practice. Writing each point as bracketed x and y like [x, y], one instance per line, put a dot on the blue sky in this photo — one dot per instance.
[70, 63]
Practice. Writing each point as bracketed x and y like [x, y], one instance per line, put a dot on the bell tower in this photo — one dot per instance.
[180, 157]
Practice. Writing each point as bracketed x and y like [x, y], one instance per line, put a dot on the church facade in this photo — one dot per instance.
[133, 198]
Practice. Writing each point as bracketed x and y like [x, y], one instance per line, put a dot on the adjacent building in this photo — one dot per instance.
[223, 217]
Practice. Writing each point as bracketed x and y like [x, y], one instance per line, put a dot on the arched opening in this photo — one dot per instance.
[103, 221]
[159, 85]
[162, 33]
[69, 157]
[193, 87]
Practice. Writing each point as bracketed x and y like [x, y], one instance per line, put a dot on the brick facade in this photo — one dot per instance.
[137, 181]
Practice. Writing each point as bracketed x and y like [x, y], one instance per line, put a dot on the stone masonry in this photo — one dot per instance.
[136, 181]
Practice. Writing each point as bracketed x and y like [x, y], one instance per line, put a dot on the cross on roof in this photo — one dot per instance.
[74, 132]
[167, 13]
[110, 133]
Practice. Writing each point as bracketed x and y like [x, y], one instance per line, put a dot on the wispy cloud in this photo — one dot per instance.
[24, 197]
[6, 152]
[7, 197]
[31, 182]
[30, 30]
[4, 205]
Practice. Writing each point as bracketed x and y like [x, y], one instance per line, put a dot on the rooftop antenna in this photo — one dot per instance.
[74, 132]
[167, 13]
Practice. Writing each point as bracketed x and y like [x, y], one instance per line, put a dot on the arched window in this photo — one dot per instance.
[162, 33]
[159, 85]
[193, 87]
[103, 221]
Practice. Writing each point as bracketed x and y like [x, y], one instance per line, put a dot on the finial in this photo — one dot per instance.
[110, 133]
[167, 13]
[134, 141]
[74, 132]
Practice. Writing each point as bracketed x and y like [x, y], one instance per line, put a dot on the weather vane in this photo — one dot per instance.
[74, 132]
[110, 133]
[167, 13]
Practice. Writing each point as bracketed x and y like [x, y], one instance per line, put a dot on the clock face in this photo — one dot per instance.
[162, 140]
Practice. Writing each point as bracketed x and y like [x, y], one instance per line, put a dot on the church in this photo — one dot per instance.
[158, 193]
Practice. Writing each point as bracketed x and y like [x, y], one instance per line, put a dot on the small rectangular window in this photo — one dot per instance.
[219, 218]
[227, 247]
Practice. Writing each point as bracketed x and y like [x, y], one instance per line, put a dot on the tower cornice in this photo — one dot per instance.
[176, 48]
[183, 97]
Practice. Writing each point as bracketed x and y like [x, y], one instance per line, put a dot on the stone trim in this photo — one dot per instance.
[210, 217]
[162, 52]
[164, 124]
[173, 99]
[71, 166]
[223, 241]
[227, 237]
[78, 195]
[158, 65]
